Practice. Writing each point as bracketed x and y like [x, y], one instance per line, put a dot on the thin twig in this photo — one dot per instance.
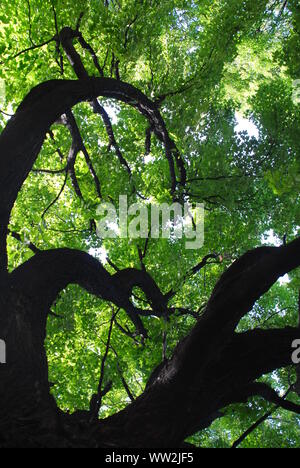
[6, 114]
[258, 423]
[78, 24]
[28, 49]
[56, 198]
[100, 392]
[194, 270]
[49, 171]
[29, 21]
[125, 384]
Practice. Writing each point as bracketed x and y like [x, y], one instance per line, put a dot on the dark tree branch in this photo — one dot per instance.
[50, 171]
[89, 48]
[183, 311]
[204, 262]
[30, 245]
[53, 270]
[124, 383]
[261, 324]
[58, 151]
[56, 198]
[28, 49]
[53, 314]
[149, 131]
[71, 161]
[78, 24]
[79, 145]
[207, 389]
[60, 61]
[127, 332]
[67, 36]
[98, 109]
[97, 399]
[112, 264]
[194, 270]
[219, 178]
[233, 297]
[146, 246]
[188, 85]
[260, 421]
[55, 17]
[131, 277]
[266, 392]
[5, 113]
[128, 27]
[105, 60]
[283, 8]
[141, 257]
[117, 70]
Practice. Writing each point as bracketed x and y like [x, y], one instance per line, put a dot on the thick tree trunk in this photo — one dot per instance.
[26, 407]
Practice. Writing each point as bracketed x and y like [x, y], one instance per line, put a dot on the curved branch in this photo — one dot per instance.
[39, 110]
[130, 278]
[51, 271]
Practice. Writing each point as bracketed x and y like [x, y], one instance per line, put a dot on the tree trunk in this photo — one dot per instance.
[27, 411]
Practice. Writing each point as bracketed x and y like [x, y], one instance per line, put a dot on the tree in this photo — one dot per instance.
[183, 339]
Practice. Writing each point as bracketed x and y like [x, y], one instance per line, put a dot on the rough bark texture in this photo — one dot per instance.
[211, 368]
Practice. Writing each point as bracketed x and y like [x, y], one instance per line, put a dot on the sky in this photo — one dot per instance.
[246, 125]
